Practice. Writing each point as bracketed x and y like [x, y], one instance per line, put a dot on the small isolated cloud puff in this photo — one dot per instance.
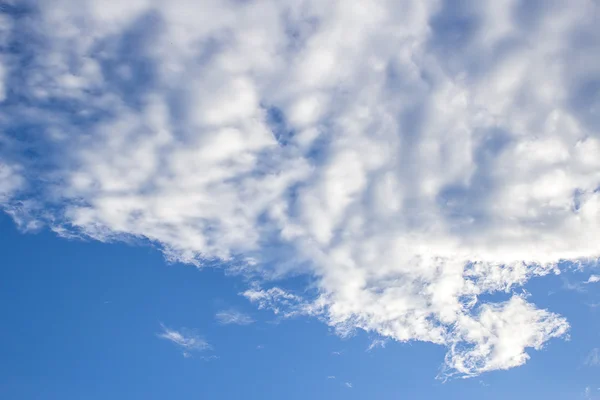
[348, 385]
[409, 157]
[593, 279]
[231, 316]
[186, 339]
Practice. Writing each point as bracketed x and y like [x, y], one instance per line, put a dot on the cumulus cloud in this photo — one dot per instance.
[231, 316]
[409, 157]
[593, 279]
[186, 339]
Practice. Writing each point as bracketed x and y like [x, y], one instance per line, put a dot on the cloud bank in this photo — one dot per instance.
[409, 157]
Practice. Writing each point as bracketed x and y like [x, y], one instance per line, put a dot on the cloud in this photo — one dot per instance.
[10, 182]
[408, 158]
[377, 343]
[227, 317]
[593, 359]
[502, 349]
[209, 358]
[348, 385]
[187, 340]
[580, 286]
[280, 301]
[577, 286]
[588, 393]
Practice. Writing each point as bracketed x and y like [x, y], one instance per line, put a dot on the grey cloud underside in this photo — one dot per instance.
[407, 156]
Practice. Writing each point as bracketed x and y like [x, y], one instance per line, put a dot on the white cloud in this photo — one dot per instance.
[377, 343]
[281, 302]
[497, 337]
[348, 385]
[188, 340]
[593, 279]
[424, 154]
[227, 317]
[10, 182]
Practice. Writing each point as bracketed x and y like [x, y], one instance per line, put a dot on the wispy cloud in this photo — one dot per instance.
[233, 317]
[580, 286]
[348, 385]
[280, 301]
[209, 358]
[376, 343]
[589, 393]
[186, 339]
[593, 359]
[574, 286]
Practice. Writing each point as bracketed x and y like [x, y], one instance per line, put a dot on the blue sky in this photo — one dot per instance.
[280, 199]
[81, 321]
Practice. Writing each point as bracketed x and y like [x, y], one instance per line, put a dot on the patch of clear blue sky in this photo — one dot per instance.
[79, 321]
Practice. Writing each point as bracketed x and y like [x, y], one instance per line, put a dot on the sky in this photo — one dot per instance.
[299, 199]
